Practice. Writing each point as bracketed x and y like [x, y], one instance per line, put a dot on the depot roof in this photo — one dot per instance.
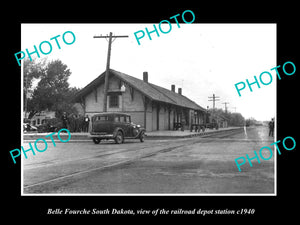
[152, 91]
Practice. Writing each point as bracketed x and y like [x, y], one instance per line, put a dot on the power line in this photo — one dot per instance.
[107, 65]
[214, 99]
[225, 103]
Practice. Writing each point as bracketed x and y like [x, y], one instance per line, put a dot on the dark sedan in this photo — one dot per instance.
[117, 126]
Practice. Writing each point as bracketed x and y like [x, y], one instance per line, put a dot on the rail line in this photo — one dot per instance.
[171, 147]
[118, 163]
[52, 162]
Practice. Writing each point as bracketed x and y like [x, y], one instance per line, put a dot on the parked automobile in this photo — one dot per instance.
[117, 126]
[47, 128]
[50, 125]
[27, 127]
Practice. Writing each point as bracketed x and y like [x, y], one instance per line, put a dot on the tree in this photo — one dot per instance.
[52, 92]
[234, 119]
[32, 70]
[251, 121]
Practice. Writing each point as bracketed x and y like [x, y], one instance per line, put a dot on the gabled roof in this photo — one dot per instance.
[152, 91]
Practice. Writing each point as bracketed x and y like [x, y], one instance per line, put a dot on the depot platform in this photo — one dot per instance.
[164, 134]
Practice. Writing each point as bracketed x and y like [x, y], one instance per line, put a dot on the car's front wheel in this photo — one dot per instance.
[142, 136]
[119, 139]
[96, 140]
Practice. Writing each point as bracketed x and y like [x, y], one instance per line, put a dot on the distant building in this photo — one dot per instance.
[151, 106]
[41, 117]
[217, 117]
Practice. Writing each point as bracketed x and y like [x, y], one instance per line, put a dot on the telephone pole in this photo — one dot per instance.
[225, 103]
[214, 98]
[107, 66]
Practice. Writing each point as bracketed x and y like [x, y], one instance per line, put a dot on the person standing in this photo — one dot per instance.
[86, 123]
[271, 128]
[65, 120]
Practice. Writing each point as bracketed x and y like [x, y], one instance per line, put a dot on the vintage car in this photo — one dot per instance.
[27, 127]
[117, 126]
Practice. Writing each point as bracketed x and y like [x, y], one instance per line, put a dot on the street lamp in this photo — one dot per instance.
[122, 89]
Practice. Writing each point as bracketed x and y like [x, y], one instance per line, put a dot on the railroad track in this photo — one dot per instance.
[102, 167]
[144, 152]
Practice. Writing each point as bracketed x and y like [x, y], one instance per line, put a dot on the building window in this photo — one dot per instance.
[114, 101]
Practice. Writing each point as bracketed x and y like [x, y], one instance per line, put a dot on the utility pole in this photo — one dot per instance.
[107, 66]
[225, 106]
[214, 98]
[26, 91]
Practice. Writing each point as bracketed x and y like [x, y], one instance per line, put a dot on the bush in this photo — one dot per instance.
[75, 123]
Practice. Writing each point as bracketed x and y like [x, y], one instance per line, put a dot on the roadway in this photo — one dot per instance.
[198, 165]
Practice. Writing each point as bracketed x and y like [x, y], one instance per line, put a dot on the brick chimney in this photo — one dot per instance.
[173, 87]
[145, 77]
[180, 91]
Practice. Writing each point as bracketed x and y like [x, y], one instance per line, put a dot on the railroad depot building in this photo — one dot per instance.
[151, 106]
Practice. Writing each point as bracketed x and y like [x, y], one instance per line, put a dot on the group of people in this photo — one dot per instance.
[75, 123]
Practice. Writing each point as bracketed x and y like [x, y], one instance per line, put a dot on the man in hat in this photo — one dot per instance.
[271, 128]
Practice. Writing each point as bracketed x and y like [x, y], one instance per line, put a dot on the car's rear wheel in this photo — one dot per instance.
[96, 140]
[142, 136]
[119, 139]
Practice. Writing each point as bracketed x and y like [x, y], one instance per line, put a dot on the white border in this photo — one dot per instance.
[156, 194]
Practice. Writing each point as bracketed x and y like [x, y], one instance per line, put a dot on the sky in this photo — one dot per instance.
[202, 59]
